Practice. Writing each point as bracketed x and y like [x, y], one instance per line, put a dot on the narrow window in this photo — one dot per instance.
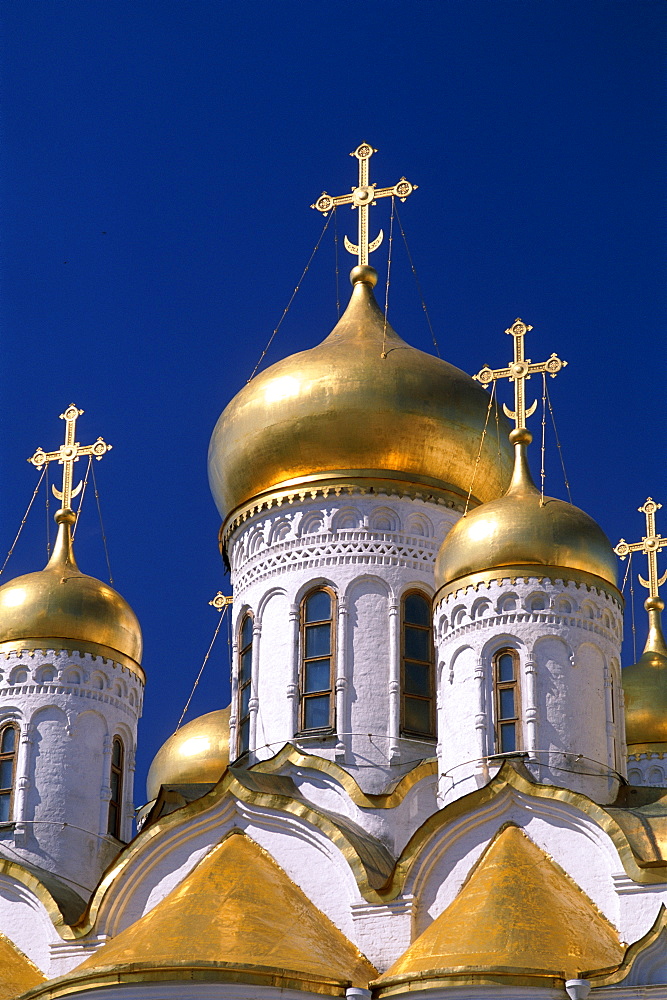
[506, 692]
[317, 660]
[116, 783]
[417, 680]
[245, 679]
[8, 748]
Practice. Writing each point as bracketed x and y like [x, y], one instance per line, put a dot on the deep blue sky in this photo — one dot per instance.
[159, 160]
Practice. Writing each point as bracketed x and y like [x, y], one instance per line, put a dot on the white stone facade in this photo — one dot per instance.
[649, 768]
[567, 639]
[68, 707]
[370, 550]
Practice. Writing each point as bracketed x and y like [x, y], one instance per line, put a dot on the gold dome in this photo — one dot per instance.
[645, 689]
[62, 605]
[361, 406]
[196, 754]
[523, 532]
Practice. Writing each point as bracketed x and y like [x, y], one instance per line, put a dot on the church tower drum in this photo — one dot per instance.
[337, 472]
[528, 624]
[71, 690]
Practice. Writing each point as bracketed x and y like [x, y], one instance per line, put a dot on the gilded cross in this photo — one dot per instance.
[650, 545]
[220, 601]
[518, 372]
[69, 453]
[362, 197]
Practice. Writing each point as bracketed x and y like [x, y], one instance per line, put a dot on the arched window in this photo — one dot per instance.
[317, 660]
[245, 680]
[507, 701]
[116, 783]
[8, 749]
[417, 672]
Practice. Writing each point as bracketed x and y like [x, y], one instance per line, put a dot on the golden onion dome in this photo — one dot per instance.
[645, 689]
[196, 754]
[62, 605]
[362, 407]
[524, 532]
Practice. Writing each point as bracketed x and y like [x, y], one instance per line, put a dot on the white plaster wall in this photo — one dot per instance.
[25, 921]
[567, 637]
[69, 706]
[392, 827]
[369, 549]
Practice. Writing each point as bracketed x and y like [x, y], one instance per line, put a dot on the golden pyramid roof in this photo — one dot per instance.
[518, 918]
[236, 917]
[17, 973]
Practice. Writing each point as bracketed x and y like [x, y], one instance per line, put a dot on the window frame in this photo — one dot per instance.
[305, 696]
[515, 686]
[115, 814]
[13, 756]
[431, 698]
[247, 648]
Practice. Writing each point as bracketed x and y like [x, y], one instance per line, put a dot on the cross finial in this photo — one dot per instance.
[362, 197]
[69, 453]
[518, 372]
[220, 601]
[650, 545]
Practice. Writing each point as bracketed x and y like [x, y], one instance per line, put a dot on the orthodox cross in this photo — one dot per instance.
[69, 453]
[518, 371]
[650, 545]
[362, 197]
[220, 601]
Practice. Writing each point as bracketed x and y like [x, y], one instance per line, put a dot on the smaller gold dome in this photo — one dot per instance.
[63, 604]
[196, 754]
[524, 531]
[645, 689]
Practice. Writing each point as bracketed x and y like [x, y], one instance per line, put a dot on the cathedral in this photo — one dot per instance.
[434, 780]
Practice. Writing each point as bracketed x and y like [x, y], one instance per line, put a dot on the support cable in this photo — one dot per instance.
[500, 456]
[386, 291]
[560, 450]
[292, 297]
[481, 445]
[337, 267]
[544, 432]
[48, 511]
[25, 517]
[82, 495]
[419, 289]
[627, 570]
[632, 614]
[201, 671]
[99, 514]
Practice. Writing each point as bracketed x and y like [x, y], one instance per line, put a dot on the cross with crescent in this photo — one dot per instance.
[69, 453]
[518, 371]
[361, 198]
[650, 545]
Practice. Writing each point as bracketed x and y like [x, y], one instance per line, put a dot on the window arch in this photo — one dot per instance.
[507, 701]
[8, 752]
[116, 784]
[245, 683]
[417, 667]
[317, 660]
